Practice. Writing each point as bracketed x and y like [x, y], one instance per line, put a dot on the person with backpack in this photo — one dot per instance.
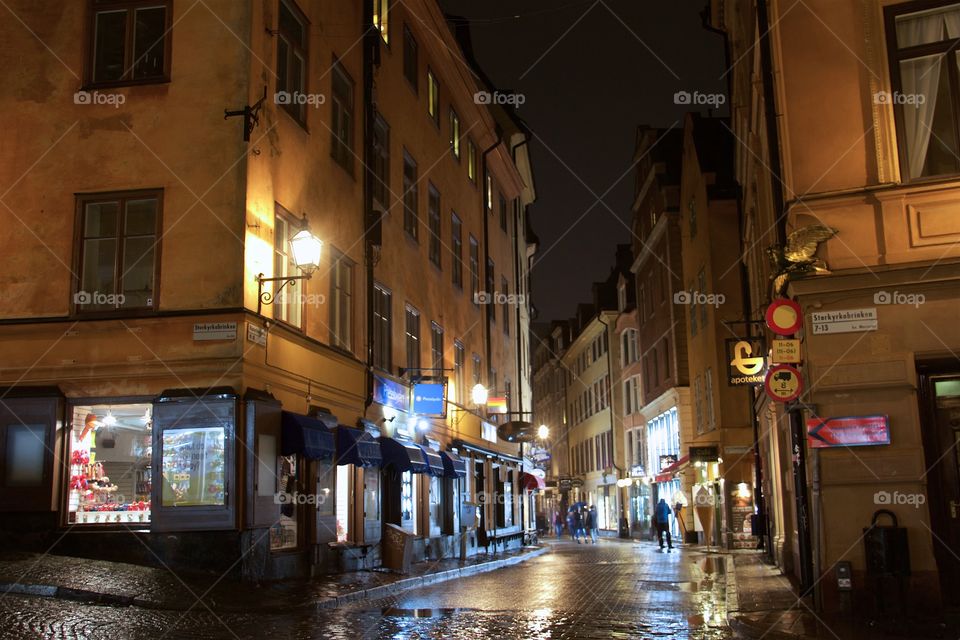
[662, 516]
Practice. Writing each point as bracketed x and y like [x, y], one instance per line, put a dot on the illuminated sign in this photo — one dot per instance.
[746, 361]
[430, 399]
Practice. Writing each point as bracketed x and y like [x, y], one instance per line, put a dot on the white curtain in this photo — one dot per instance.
[920, 76]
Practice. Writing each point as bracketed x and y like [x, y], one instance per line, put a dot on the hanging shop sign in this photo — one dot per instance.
[705, 454]
[844, 321]
[667, 460]
[747, 363]
[214, 331]
[783, 383]
[430, 399]
[785, 351]
[391, 394]
[853, 431]
[784, 317]
[496, 404]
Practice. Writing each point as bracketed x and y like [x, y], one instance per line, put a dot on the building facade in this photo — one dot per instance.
[867, 151]
[174, 367]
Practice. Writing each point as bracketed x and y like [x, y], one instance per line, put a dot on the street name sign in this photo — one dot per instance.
[844, 321]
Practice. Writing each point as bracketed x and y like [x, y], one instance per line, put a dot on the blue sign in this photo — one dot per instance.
[391, 394]
[429, 398]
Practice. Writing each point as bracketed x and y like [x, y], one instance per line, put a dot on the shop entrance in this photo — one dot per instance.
[940, 409]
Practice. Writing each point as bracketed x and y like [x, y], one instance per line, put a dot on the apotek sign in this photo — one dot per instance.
[746, 361]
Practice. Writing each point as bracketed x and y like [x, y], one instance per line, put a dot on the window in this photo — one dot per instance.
[471, 161]
[925, 81]
[455, 134]
[341, 118]
[292, 39]
[436, 346]
[631, 395]
[433, 97]
[642, 302]
[491, 308]
[411, 63]
[381, 18]
[621, 298]
[130, 42]
[381, 163]
[341, 301]
[433, 220]
[629, 346]
[412, 328]
[288, 305]
[459, 356]
[456, 248]
[488, 197]
[382, 331]
[477, 369]
[474, 270]
[411, 197]
[698, 404]
[118, 247]
[708, 397]
[505, 304]
[503, 212]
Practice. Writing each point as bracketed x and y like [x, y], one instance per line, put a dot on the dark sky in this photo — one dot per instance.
[586, 91]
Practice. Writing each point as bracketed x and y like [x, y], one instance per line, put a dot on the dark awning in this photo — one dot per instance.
[434, 462]
[453, 465]
[402, 456]
[309, 436]
[531, 482]
[357, 447]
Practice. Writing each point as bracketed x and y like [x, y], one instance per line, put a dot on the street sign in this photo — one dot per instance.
[784, 317]
[853, 431]
[783, 383]
[429, 399]
[844, 321]
[214, 331]
[704, 454]
[785, 351]
[746, 361]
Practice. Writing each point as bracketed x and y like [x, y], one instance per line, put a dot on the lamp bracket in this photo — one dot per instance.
[268, 297]
[250, 113]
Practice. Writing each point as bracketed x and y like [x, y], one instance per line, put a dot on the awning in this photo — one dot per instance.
[666, 474]
[434, 462]
[531, 482]
[357, 447]
[453, 465]
[468, 446]
[309, 436]
[402, 456]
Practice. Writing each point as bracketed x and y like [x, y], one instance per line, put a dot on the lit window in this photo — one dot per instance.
[433, 97]
[381, 18]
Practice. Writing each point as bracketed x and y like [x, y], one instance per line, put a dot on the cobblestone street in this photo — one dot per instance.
[611, 590]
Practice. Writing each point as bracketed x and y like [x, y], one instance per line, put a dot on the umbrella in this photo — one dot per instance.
[577, 505]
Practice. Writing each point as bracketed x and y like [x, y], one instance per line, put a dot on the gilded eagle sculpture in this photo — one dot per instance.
[799, 256]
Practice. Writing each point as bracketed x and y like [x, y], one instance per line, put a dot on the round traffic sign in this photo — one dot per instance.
[784, 317]
[783, 383]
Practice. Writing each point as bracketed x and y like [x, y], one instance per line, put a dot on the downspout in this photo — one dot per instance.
[371, 225]
[797, 431]
[487, 333]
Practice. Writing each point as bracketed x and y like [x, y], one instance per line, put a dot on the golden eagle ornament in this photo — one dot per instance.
[798, 257]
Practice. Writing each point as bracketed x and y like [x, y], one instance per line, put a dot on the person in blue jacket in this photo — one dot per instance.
[662, 516]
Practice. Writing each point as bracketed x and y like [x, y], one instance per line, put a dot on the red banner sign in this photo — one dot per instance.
[854, 431]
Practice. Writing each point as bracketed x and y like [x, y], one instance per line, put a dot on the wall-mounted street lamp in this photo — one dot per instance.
[543, 432]
[479, 394]
[306, 249]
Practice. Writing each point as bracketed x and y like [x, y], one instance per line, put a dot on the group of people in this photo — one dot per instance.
[581, 522]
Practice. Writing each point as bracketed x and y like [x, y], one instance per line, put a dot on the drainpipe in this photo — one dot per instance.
[797, 431]
[371, 225]
[486, 251]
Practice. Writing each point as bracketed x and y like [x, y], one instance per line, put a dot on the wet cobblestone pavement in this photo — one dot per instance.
[611, 590]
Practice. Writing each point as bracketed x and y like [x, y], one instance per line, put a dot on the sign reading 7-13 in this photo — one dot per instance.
[854, 431]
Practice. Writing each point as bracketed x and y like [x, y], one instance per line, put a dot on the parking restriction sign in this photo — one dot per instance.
[783, 383]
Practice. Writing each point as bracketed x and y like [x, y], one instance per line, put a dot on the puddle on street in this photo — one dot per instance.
[423, 613]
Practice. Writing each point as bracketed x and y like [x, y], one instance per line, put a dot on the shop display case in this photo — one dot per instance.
[193, 467]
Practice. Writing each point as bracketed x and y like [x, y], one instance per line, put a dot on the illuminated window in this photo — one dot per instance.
[455, 134]
[433, 97]
[381, 18]
[471, 160]
[288, 303]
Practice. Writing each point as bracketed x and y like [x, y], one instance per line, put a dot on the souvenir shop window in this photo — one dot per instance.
[109, 481]
[193, 467]
[435, 502]
[283, 534]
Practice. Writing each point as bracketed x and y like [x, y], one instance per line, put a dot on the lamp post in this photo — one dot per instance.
[306, 249]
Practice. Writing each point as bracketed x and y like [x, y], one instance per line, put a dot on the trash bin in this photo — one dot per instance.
[397, 548]
[886, 546]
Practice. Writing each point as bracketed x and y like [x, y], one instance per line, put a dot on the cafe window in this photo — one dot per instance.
[283, 534]
[408, 501]
[925, 82]
[292, 56]
[118, 249]
[110, 479]
[130, 42]
[288, 304]
[342, 503]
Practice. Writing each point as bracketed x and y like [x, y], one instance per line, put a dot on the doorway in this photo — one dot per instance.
[940, 415]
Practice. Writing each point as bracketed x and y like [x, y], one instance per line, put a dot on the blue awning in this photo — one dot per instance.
[309, 436]
[402, 456]
[453, 465]
[357, 447]
[434, 462]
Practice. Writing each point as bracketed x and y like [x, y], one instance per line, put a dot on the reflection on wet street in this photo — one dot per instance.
[610, 590]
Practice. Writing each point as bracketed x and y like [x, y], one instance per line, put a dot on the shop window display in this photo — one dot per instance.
[192, 463]
[436, 516]
[408, 502]
[109, 479]
[283, 534]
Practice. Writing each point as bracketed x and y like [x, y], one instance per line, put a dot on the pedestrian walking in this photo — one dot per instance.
[578, 526]
[558, 523]
[594, 524]
[662, 516]
[589, 518]
[570, 526]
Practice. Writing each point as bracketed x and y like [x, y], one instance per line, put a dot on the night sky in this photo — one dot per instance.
[618, 66]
